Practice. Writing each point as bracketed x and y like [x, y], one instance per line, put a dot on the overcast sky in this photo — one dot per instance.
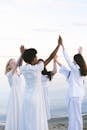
[35, 23]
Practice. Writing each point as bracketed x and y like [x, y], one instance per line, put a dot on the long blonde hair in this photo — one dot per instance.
[8, 68]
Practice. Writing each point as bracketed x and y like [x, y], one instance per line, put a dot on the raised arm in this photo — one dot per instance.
[53, 53]
[55, 59]
[65, 71]
[54, 71]
[80, 49]
[20, 60]
[67, 58]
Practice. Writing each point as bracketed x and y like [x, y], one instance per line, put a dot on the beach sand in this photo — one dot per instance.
[62, 123]
[58, 123]
[2, 126]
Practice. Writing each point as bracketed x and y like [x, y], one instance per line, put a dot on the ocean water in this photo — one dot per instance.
[56, 91]
[58, 106]
[57, 94]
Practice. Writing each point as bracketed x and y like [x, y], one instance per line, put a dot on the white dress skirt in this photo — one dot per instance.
[45, 84]
[33, 116]
[17, 85]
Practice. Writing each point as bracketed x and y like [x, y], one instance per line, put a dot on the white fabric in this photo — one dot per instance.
[75, 93]
[75, 115]
[33, 116]
[17, 85]
[75, 80]
[45, 83]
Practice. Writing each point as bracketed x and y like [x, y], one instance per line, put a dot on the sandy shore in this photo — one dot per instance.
[62, 123]
[2, 126]
[57, 124]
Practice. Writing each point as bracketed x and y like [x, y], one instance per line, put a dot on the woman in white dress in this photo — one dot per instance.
[16, 81]
[33, 115]
[46, 78]
[75, 93]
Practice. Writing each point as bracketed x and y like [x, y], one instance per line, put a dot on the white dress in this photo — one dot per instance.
[45, 83]
[17, 85]
[33, 116]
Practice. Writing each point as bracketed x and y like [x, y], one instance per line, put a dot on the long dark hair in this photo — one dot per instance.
[46, 72]
[81, 62]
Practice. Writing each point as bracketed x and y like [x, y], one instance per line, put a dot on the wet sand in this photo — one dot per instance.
[62, 123]
[57, 123]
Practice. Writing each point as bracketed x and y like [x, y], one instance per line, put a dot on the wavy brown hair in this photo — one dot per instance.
[82, 64]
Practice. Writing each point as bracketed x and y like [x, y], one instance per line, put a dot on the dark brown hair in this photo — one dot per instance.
[45, 72]
[81, 62]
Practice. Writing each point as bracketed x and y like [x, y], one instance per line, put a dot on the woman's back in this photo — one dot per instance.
[32, 75]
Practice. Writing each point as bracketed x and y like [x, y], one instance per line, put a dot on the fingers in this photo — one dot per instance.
[60, 40]
[22, 49]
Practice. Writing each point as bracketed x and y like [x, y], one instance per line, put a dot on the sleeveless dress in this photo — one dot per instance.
[17, 84]
[33, 116]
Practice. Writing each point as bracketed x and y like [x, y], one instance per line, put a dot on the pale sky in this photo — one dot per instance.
[37, 23]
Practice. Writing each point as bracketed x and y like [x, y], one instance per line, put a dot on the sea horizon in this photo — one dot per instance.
[57, 111]
[56, 93]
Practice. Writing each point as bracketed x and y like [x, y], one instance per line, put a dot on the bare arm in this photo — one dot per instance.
[56, 60]
[22, 49]
[63, 69]
[20, 60]
[54, 71]
[80, 49]
[67, 58]
[53, 53]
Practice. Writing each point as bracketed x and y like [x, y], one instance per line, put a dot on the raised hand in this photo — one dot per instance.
[22, 49]
[80, 49]
[60, 42]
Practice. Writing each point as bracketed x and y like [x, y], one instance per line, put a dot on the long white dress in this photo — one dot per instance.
[45, 84]
[17, 85]
[33, 116]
